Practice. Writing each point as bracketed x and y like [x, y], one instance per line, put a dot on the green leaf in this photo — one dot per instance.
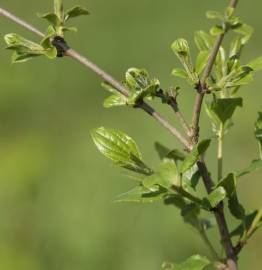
[190, 215]
[59, 9]
[181, 73]
[192, 158]
[22, 58]
[25, 49]
[195, 262]
[46, 42]
[221, 110]
[75, 12]
[166, 176]
[193, 175]
[182, 51]
[254, 166]
[141, 194]
[166, 153]
[229, 184]
[235, 48]
[137, 79]
[252, 221]
[140, 85]
[51, 18]
[214, 15]
[245, 30]
[217, 30]
[180, 47]
[117, 99]
[214, 198]
[120, 148]
[201, 61]
[204, 41]
[256, 64]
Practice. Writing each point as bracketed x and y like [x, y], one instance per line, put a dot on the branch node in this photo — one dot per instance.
[61, 46]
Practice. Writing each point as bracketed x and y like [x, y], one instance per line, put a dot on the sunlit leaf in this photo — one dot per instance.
[256, 64]
[229, 184]
[195, 262]
[178, 72]
[214, 198]
[166, 176]
[204, 41]
[141, 194]
[201, 61]
[254, 166]
[120, 148]
[51, 18]
[192, 158]
[75, 12]
[221, 110]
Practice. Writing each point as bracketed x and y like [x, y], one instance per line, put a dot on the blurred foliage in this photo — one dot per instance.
[56, 190]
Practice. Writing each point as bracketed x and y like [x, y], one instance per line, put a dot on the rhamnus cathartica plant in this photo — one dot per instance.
[216, 73]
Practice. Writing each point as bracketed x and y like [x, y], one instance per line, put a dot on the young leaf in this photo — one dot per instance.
[256, 64]
[141, 194]
[75, 12]
[214, 198]
[201, 61]
[245, 30]
[25, 49]
[217, 30]
[214, 15]
[192, 158]
[117, 99]
[221, 110]
[59, 9]
[166, 153]
[229, 184]
[166, 176]
[120, 148]
[51, 18]
[182, 51]
[251, 223]
[140, 85]
[254, 166]
[195, 262]
[178, 72]
[204, 41]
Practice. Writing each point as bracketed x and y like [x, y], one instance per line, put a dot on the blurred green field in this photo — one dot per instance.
[56, 190]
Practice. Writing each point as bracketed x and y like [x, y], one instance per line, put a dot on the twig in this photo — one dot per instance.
[105, 76]
[202, 85]
[172, 102]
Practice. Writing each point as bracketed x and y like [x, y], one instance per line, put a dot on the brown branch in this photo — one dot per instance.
[105, 76]
[171, 100]
[219, 211]
[220, 219]
[202, 84]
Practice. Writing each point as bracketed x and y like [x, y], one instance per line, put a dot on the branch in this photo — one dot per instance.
[170, 98]
[202, 84]
[105, 76]
[220, 219]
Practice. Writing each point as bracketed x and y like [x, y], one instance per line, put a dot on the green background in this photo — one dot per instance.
[56, 190]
